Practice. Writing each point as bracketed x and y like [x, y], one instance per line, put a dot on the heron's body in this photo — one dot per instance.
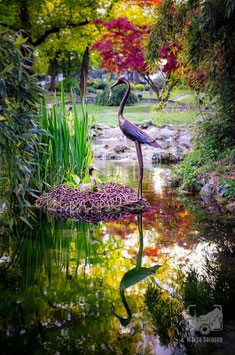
[134, 133]
[131, 131]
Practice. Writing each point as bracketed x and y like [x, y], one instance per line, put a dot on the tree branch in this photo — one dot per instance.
[55, 30]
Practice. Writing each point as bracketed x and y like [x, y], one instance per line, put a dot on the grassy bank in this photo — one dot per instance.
[138, 114]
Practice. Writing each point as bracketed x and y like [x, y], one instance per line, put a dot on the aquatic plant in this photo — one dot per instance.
[68, 145]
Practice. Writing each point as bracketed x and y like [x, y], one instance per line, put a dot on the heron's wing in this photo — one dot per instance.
[135, 133]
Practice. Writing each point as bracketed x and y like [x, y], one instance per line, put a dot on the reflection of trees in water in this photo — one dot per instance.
[58, 289]
[169, 218]
[167, 316]
[213, 285]
[62, 279]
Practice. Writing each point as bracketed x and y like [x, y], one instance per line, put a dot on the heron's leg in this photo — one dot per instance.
[141, 166]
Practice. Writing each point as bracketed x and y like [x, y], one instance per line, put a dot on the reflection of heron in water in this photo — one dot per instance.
[93, 182]
[134, 276]
[131, 131]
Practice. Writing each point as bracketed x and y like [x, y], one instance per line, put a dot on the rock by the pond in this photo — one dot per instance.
[186, 139]
[169, 157]
[221, 190]
[210, 187]
[176, 143]
[146, 124]
[176, 135]
[168, 131]
[156, 157]
[166, 144]
[206, 190]
[120, 148]
[230, 207]
[153, 132]
[112, 156]
[95, 133]
[101, 155]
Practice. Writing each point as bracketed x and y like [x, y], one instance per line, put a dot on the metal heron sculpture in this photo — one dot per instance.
[131, 131]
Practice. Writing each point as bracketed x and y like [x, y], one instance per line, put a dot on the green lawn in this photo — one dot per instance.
[138, 114]
[144, 112]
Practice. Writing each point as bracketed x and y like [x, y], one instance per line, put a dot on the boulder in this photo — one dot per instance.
[153, 132]
[95, 133]
[147, 124]
[112, 156]
[147, 155]
[169, 157]
[206, 190]
[176, 135]
[230, 207]
[112, 132]
[120, 148]
[186, 139]
[156, 157]
[101, 155]
[221, 190]
[166, 144]
[168, 131]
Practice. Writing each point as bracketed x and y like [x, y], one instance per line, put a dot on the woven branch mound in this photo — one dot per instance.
[110, 201]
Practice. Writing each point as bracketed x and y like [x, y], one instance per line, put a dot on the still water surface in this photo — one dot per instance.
[121, 287]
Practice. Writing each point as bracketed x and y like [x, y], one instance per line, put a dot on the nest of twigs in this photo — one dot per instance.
[110, 201]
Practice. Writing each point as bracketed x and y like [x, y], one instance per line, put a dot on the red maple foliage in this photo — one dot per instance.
[122, 49]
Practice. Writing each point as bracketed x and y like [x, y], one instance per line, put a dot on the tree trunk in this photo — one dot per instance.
[136, 77]
[165, 98]
[84, 72]
[53, 68]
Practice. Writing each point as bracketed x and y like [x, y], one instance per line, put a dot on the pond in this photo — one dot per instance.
[130, 286]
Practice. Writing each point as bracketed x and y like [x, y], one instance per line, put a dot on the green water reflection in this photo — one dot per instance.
[63, 283]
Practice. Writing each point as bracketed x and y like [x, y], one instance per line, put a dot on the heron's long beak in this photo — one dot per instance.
[96, 169]
[110, 89]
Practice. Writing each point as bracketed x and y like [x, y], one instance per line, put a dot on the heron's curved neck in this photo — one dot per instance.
[124, 321]
[92, 179]
[125, 97]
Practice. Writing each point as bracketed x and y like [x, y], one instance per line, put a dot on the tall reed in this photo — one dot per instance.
[67, 148]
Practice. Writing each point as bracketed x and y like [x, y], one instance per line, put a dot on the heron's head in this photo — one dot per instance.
[121, 80]
[92, 168]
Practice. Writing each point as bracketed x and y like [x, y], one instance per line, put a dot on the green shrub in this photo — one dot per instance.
[132, 86]
[118, 92]
[91, 90]
[92, 83]
[70, 83]
[139, 87]
[102, 85]
[147, 88]
[230, 184]
[218, 133]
